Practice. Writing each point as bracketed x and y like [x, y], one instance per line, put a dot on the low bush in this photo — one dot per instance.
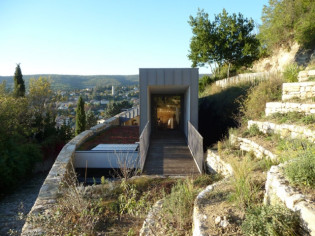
[253, 107]
[291, 73]
[178, 206]
[301, 171]
[270, 220]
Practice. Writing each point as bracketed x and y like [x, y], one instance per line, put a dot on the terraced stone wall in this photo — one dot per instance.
[283, 107]
[302, 90]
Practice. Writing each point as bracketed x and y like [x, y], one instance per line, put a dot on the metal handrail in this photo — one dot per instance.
[195, 144]
[144, 144]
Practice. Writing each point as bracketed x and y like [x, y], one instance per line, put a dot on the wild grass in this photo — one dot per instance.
[73, 214]
[292, 117]
[245, 188]
[270, 220]
[178, 207]
[253, 106]
[291, 72]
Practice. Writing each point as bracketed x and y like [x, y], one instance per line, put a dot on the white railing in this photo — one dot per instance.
[195, 144]
[144, 144]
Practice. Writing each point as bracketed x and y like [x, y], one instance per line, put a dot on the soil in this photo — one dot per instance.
[217, 204]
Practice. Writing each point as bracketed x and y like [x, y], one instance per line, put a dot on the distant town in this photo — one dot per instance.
[96, 101]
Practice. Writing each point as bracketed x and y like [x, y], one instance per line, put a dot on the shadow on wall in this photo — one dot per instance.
[217, 113]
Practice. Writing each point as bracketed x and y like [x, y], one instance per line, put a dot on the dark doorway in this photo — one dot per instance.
[166, 111]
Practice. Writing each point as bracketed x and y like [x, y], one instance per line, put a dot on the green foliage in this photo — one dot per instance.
[115, 108]
[205, 81]
[17, 159]
[91, 119]
[19, 86]
[178, 206]
[80, 120]
[253, 107]
[301, 171]
[286, 20]
[253, 131]
[227, 40]
[270, 220]
[130, 201]
[245, 190]
[291, 73]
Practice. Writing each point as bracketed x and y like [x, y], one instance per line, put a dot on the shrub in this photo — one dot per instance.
[253, 107]
[270, 220]
[291, 72]
[301, 171]
[178, 206]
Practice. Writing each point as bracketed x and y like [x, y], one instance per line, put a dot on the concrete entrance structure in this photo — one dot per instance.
[168, 81]
[170, 149]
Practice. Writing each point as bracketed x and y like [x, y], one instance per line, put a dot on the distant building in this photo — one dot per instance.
[113, 90]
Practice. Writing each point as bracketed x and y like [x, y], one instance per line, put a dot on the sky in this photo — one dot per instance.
[103, 37]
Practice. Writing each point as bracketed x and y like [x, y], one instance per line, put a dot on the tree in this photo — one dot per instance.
[80, 121]
[225, 41]
[91, 119]
[115, 108]
[19, 86]
[284, 21]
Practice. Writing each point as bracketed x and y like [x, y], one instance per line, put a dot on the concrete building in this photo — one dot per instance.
[167, 95]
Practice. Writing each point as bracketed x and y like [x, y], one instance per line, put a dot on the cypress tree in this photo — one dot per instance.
[80, 121]
[19, 86]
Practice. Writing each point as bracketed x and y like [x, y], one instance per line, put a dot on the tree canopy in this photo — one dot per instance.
[19, 86]
[286, 20]
[226, 40]
[115, 108]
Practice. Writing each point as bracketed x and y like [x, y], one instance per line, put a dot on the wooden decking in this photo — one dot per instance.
[169, 155]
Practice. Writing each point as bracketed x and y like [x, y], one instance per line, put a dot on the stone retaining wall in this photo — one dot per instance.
[250, 146]
[284, 130]
[278, 191]
[50, 190]
[305, 75]
[199, 220]
[300, 90]
[215, 164]
[243, 78]
[285, 107]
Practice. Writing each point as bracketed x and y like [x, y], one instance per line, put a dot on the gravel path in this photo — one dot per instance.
[20, 201]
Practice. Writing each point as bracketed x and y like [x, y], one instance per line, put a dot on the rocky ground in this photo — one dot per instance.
[20, 201]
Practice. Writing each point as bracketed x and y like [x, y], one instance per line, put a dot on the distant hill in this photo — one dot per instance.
[66, 82]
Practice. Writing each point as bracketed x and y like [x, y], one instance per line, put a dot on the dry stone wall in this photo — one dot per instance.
[285, 130]
[285, 107]
[302, 90]
[50, 190]
[278, 191]
[250, 146]
[305, 75]
[215, 164]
